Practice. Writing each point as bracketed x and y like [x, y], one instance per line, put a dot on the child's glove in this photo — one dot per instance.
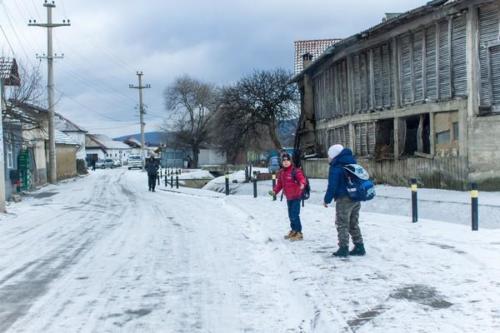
[271, 193]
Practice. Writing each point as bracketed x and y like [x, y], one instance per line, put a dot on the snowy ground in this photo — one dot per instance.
[442, 205]
[102, 254]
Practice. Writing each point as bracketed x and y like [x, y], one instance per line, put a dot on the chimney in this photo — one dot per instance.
[306, 60]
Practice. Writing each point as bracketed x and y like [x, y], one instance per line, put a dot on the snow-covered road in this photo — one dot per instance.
[102, 254]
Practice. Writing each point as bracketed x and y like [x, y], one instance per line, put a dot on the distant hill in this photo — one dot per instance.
[152, 138]
[286, 133]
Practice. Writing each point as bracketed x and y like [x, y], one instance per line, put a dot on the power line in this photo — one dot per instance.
[64, 95]
[8, 41]
[15, 33]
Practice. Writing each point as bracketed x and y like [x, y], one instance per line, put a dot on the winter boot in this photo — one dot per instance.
[358, 250]
[343, 251]
[290, 234]
[296, 237]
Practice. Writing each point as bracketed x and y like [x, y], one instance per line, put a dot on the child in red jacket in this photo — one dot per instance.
[292, 181]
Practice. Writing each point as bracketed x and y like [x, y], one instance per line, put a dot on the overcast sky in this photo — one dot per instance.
[216, 41]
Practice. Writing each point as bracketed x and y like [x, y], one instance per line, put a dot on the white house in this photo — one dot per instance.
[99, 146]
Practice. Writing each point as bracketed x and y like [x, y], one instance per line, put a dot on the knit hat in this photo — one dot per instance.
[334, 151]
[286, 156]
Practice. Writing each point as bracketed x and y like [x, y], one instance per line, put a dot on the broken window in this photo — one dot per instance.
[446, 126]
[384, 143]
[416, 138]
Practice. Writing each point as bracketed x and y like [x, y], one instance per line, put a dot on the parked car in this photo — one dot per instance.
[134, 161]
[99, 164]
[108, 163]
[117, 163]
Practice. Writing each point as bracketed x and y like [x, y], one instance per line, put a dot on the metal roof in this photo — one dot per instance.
[314, 47]
[386, 24]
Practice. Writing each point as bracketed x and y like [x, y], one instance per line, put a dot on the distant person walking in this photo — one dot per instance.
[152, 167]
[347, 211]
[292, 181]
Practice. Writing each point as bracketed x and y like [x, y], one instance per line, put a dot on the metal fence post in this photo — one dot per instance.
[274, 184]
[177, 181]
[414, 205]
[172, 181]
[227, 183]
[474, 194]
[166, 180]
[255, 186]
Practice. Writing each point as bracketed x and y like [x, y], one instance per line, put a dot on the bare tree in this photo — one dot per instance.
[191, 104]
[271, 98]
[252, 109]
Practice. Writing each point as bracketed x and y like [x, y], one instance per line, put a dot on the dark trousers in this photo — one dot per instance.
[152, 181]
[294, 214]
[347, 221]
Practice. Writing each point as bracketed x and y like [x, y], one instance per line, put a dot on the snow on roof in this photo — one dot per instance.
[109, 143]
[65, 125]
[64, 139]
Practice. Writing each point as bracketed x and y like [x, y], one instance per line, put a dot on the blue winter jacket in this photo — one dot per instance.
[337, 187]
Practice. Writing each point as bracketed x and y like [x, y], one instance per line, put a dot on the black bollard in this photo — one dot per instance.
[172, 181]
[246, 173]
[177, 181]
[255, 186]
[474, 194]
[166, 179]
[414, 206]
[158, 177]
[227, 183]
[274, 184]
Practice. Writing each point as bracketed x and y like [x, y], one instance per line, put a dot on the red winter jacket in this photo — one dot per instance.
[290, 186]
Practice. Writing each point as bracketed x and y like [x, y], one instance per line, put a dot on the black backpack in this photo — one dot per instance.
[306, 193]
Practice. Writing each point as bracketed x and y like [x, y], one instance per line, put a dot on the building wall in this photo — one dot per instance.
[211, 157]
[100, 154]
[484, 155]
[79, 138]
[39, 154]
[450, 172]
[12, 147]
[37, 140]
[66, 161]
[118, 154]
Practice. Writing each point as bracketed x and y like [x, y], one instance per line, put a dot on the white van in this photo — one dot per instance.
[134, 161]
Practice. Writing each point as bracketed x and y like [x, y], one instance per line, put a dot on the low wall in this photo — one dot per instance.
[66, 162]
[445, 173]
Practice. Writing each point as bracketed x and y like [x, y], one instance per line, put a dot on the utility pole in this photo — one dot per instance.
[141, 110]
[50, 83]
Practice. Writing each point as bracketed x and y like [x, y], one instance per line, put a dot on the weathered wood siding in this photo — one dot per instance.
[448, 173]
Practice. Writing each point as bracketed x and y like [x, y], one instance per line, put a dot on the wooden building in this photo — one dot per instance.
[416, 96]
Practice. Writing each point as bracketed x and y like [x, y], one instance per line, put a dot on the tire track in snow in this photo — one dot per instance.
[32, 281]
